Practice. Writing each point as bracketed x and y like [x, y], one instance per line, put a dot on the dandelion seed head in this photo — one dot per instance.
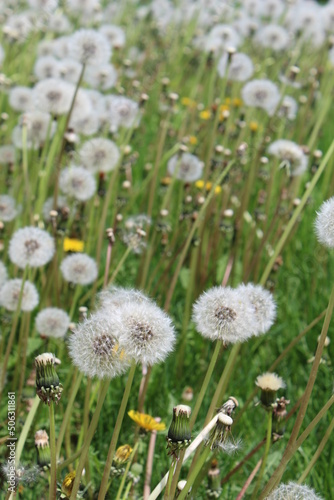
[115, 297]
[263, 304]
[7, 155]
[145, 331]
[79, 269]
[94, 348]
[99, 155]
[89, 47]
[239, 69]
[10, 293]
[122, 112]
[273, 36]
[186, 167]
[31, 246]
[21, 98]
[48, 206]
[39, 126]
[53, 95]
[76, 182]
[52, 322]
[115, 34]
[3, 273]
[261, 94]
[224, 313]
[101, 77]
[47, 67]
[293, 491]
[8, 208]
[324, 223]
[290, 154]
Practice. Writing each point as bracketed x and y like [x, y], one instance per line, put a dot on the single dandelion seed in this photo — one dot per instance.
[52, 322]
[31, 246]
[79, 269]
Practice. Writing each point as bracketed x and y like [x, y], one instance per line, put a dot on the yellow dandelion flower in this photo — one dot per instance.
[227, 100]
[146, 421]
[224, 107]
[218, 189]
[67, 485]
[237, 102]
[73, 245]
[205, 114]
[122, 454]
[199, 184]
[208, 186]
[193, 140]
[254, 126]
[190, 103]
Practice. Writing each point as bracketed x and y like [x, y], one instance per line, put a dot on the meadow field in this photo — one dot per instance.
[166, 249]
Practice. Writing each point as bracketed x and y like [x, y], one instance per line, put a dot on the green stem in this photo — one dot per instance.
[117, 428]
[25, 429]
[205, 383]
[265, 454]
[69, 461]
[53, 484]
[120, 265]
[305, 400]
[89, 436]
[317, 453]
[128, 465]
[171, 471]
[200, 462]
[74, 389]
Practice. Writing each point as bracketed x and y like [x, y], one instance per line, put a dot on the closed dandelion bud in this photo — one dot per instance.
[220, 431]
[179, 488]
[47, 380]
[43, 448]
[179, 433]
[214, 489]
[269, 383]
[67, 485]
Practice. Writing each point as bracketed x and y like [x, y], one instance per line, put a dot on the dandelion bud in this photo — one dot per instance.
[67, 485]
[122, 454]
[214, 489]
[47, 380]
[188, 394]
[269, 383]
[279, 415]
[219, 149]
[165, 81]
[43, 448]
[180, 486]
[179, 433]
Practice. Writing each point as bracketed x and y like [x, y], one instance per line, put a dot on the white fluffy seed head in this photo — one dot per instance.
[89, 47]
[324, 223]
[293, 491]
[291, 155]
[115, 297]
[8, 209]
[53, 95]
[79, 269]
[31, 246]
[239, 69]
[99, 155]
[10, 293]
[224, 313]
[77, 183]
[263, 304]
[261, 94]
[95, 350]
[186, 167]
[52, 322]
[3, 274]
[145, 332]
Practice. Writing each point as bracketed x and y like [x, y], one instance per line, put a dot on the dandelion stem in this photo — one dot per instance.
[305, 400]
[200, 462]
[89, 436]
[25, 430]
[53, 485]
[205, 383]
[171, 471]
[249, 480]
[117, 428]
[265, 454]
